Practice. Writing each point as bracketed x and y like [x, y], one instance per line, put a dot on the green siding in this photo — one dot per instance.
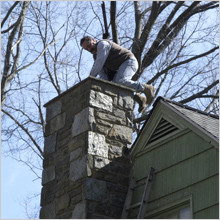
[169, 154]
[209, 213]
[185, 173]
[184, 166]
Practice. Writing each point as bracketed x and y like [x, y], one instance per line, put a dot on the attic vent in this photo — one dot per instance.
[163, 128]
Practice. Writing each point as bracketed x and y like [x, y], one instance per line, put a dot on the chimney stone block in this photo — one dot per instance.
[78, 169]
[100, 162]
[96, 190]
[121, 133]
[53, 110]
[50, 144]
[48, 211]
[48, 174]
[57, 122]
[97, 145]
[125, 100]
[100, 100]
[83, 121]
[62, 202]
[79, 211]
[75, 154]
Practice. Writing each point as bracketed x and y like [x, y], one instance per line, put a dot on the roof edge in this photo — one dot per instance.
[184, 106]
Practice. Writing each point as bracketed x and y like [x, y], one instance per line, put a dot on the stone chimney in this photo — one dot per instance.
[84, 172]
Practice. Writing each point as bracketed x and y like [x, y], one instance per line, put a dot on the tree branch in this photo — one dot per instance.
[138, 44]
[171, 33]
[25, 130]
[113, 20]
[141, 39]
[138, 20]
[213, 101]
[37, 58]
[6, 78]
[181, 63]
[42, 121]
[199, 94]
[7, 30]
[9, 12]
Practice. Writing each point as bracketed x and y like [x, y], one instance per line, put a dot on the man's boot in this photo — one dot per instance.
[141, 100]
[149, 93]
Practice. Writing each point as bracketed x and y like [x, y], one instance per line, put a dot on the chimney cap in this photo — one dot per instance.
[90, 78]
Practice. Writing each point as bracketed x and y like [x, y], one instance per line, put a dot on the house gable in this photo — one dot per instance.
[181, 151]
[166, 122]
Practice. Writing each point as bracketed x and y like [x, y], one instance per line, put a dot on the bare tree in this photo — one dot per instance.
[175, 43]
[11, 60]
[9, 70]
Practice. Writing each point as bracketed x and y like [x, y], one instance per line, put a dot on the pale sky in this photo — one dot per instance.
[16, 184]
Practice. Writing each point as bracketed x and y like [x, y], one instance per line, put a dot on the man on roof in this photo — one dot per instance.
[111, 58]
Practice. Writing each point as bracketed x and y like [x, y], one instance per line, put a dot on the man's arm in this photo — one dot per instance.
[103, 50]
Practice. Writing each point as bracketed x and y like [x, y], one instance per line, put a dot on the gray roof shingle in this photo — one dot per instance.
[205, 121]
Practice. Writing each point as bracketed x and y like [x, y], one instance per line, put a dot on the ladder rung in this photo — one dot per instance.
[142, 182]
[134, 206]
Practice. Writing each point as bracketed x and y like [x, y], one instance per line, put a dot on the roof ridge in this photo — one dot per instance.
[185, 106]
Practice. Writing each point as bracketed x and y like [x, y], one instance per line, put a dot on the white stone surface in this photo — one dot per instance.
[125, 100]
[97, 144]
[100, 162]
[121, 133]
[100, 100]
[115, 151]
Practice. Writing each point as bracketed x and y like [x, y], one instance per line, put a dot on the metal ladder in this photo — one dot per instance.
[145, 197]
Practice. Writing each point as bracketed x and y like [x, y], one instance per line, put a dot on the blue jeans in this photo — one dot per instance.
[124, 75]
